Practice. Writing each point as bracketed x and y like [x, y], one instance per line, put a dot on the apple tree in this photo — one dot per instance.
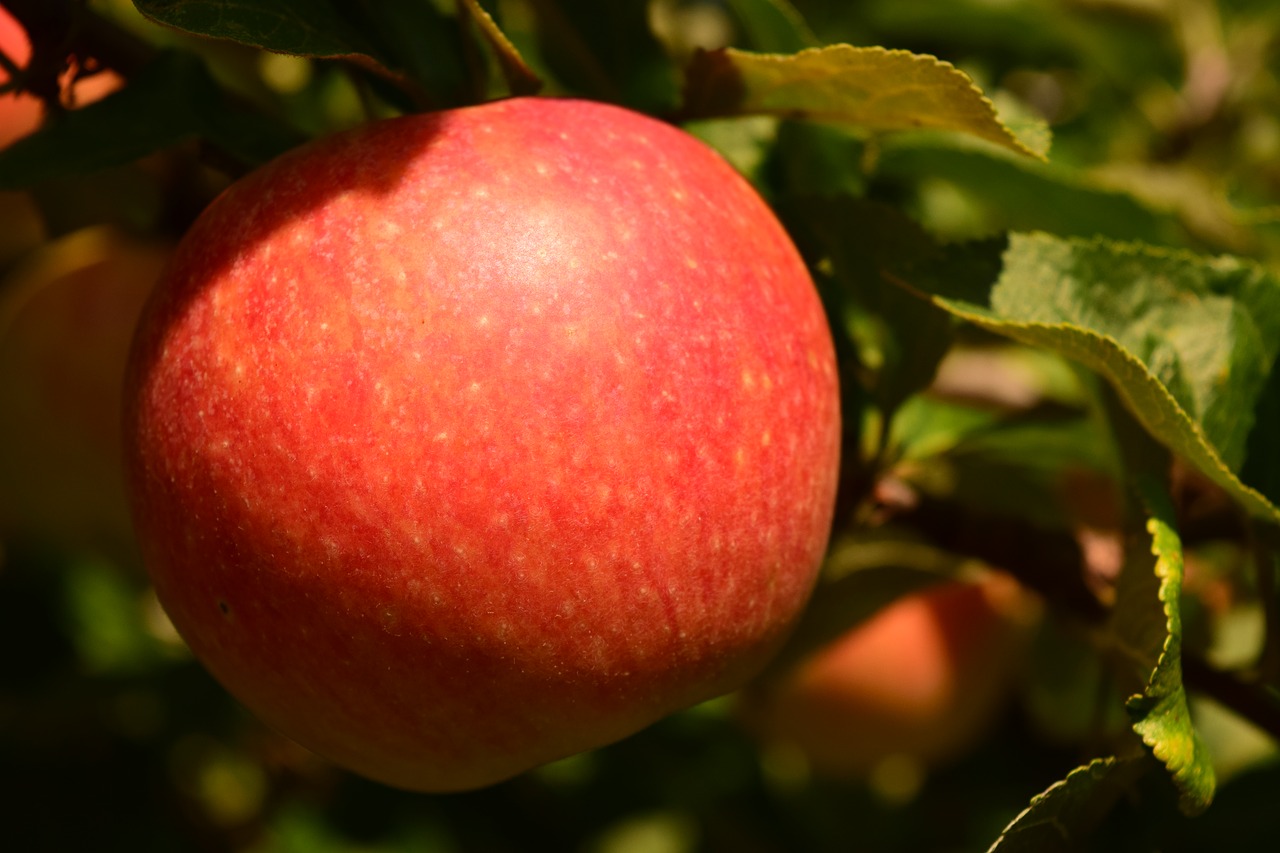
[1041, 239]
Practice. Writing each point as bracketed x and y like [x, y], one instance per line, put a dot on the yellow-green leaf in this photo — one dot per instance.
[870, 87]
[1160, 713]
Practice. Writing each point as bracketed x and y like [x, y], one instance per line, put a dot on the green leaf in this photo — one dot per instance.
[869, 87]
[773, 26]
[1065, 814]
[316, 28]
[170, 100]
[389, 39]
[1025, 195]
[1208, 328]
[1187, 341]
[1148, 621]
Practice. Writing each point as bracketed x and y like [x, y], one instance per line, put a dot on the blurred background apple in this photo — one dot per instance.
[911, 688]
[66, 319]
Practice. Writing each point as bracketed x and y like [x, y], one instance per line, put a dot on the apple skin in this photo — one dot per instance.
[463, 442]
[922, 679]
[67, 315]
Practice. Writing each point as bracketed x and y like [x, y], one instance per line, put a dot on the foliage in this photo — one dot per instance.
[1047, 233]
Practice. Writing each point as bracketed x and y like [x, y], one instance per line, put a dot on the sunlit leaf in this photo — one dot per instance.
[868, 87]
[1148, 619]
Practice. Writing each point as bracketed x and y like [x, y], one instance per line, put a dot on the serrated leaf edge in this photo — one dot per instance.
[1108, 763]
[1211, 463]
[1169, 594]
[1010, 138]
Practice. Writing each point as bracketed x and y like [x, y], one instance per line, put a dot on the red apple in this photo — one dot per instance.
[21, 113]
[67, 315]
[464, 442]
[920, 681]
